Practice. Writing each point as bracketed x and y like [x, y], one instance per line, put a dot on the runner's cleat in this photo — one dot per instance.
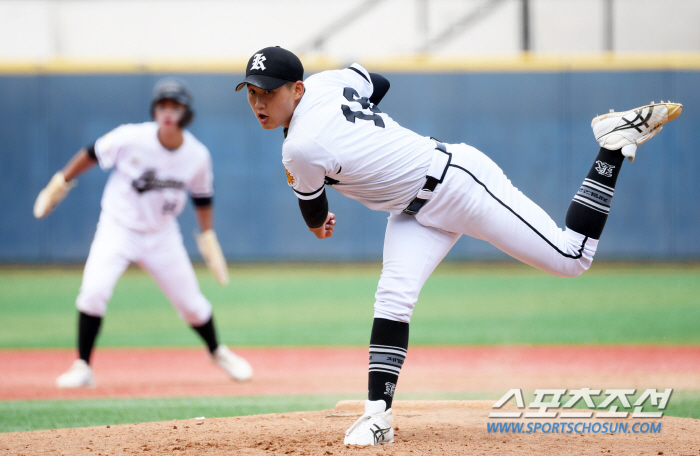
[237, 367]
[78, 376]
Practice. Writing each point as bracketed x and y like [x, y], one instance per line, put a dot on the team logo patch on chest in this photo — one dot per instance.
[148, 181]
[291, 180]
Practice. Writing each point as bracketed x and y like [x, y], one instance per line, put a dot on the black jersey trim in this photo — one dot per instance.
[564, 254]
[310, 193]
[359, 72]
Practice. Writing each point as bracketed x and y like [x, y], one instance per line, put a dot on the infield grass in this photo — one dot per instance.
[19, 416]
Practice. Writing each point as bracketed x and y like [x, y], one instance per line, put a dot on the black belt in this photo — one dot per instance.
[430, 184]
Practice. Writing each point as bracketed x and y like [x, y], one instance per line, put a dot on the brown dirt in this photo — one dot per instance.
[447, 428]
[454, 427]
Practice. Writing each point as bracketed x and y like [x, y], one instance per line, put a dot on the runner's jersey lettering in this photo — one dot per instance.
[148, 186]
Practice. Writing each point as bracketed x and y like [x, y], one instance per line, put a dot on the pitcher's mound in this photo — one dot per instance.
[421, 427]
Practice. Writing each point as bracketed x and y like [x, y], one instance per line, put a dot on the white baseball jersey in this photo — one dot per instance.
[336, 135]
[148, 188]
[145, 193]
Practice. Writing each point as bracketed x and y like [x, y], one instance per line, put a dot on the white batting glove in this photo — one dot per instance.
[52, 194]
[209, 248]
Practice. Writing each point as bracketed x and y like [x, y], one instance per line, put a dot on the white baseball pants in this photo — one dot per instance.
[162, 254]
[476, 199]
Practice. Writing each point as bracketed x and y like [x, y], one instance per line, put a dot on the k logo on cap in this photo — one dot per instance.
[258, 60]
[272, 67]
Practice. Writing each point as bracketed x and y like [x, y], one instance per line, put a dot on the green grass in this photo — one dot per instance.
[682, 404]
[19, 416]
[611, 304]
[318, 305]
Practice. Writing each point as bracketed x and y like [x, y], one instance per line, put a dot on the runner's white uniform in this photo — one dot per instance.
[383, 165]
[145, 193]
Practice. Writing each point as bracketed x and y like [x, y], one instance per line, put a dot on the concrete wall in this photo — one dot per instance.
[536, 125]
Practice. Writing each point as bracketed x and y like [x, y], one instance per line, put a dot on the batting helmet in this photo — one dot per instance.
[173, 89]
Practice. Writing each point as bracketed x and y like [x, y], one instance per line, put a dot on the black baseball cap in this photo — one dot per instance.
[271, 67]
[172, 89]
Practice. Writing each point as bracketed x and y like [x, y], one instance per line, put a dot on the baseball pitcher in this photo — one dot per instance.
[337, 136]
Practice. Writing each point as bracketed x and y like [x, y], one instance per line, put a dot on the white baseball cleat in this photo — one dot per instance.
[78, 376]
[234, 365]
[372, 428]
[626, 130]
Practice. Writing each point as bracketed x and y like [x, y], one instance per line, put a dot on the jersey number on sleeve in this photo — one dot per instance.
[351, 94]
[169, 207]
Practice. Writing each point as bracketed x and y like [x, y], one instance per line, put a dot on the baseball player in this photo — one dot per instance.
[155, 164]
[336, 135]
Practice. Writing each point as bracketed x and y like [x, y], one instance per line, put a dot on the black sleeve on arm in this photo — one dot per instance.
[381, 87]
[91, 151]
[202, 201]
[315, 211]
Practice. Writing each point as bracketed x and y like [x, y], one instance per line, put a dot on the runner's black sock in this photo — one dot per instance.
[208, 333]
[88, 328]
[589, 209]
[387, 351]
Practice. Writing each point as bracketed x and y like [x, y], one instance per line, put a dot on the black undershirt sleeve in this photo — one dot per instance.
[91, 151]
[381, 87]
[202, 201]
[315, 211]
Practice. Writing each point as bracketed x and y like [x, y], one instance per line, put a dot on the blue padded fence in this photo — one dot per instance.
[536, 126]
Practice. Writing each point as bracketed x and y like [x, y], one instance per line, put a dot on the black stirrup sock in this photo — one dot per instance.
[88, 328]
[208, 334]
[387, 351]
[589, 209]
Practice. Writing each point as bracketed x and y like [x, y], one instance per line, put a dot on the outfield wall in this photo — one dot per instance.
[535, 124]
